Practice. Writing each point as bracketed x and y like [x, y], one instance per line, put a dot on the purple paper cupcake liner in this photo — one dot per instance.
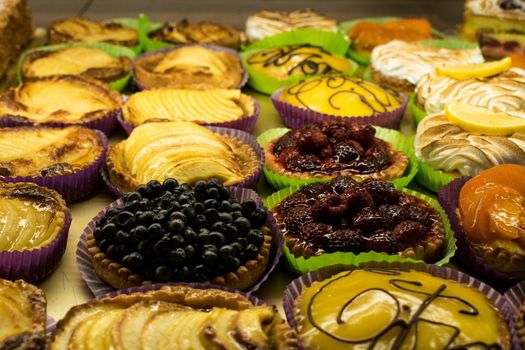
[141, 86]
[238, 134]
[72, 187]
[99, 287]
[297, 117]
[36, 264]
[51, 327]
[105, 124]
[245, 123]
[515, 297]
[295, 288]
[448, 197]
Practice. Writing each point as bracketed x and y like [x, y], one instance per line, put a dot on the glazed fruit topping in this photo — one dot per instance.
[343, 215]
[172, 232]
[331, 147]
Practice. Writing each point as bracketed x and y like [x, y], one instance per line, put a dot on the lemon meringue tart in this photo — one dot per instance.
[189, 66]
[74, 29]
[47, 151]
[199, 106]
[22, 316]
[75, 100]
[181, 150]
[174, 317]
[81, 60]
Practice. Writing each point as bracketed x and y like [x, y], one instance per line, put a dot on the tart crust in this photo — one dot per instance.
[34, 338]
[396, 84]
[121, 277]
[119, 176]
[395, 170]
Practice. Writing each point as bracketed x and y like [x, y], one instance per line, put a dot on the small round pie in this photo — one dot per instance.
[22, 315]
[75, 99]
[175, 317]
[185, 151]
[74, 29]
[345, 216]
[189, 67]
[173, 233]
[80, 60]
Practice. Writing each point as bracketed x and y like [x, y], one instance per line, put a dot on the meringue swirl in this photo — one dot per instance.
[494, 8]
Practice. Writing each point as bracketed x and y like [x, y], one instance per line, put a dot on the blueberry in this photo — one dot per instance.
[131, 197]
[161, 216]
[236, 247]
[107, 231]
[199, 207]
[115, 252]
[210, 257]
[200, 220]
[177, 241]
[146, 218]
[155, 230]
[213, 193]
[216, 238]
[236, 206]
[242, 224]
[251, 251]
[104, 245]
[234, 264]
[248, 207]
[182, 273]
[185, 188]
[163, 274]
[242, 241]
[122, 237]
[155, 188]
[219, 226]
[201, 273]
[236, 214]
[170, 184]
[225, 206]
[258, 217]
[139, 233]
[190, 235]
[211, 203]
[189, 212]
[215, 182]
[210, 247]
[173, 207]
[144, 247]
[203, 237]
[125, 218]
[184, 199]
[225, 217]
[177, 256]
[177, 226]
[133, 261]
[211, 215]
[161, 247]
[190, 252]
[143, 190]
[231, 232]
[178, 215]
[255, 236]
[226, 252]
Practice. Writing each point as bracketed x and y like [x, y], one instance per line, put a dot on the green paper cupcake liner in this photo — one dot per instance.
[333, 42]
[135, 23]
[113, 50]
[300, 265]
[395, 138]
[151, 44]
[417, 113]
[448, 43]
[367, 74]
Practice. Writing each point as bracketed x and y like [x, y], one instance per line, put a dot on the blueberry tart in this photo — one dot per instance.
[345, 216]
[172, 232]
[174, 317]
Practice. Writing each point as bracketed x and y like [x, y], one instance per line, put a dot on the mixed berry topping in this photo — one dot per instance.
[346, 216]
[172, 232]
[331, 147]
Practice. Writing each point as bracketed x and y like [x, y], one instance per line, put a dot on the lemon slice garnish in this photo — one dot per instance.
[479, 70]
[482, 120]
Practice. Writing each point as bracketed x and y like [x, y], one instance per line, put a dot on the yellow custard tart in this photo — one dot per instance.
[75, 29]
[75, 100]
[22, 316]
[32, 216]
[397, 309]
[76, 60]
[47, 151]
[284, 62]
[174, 317]
[190, 67]
[341, 96]
[199, 106]
[181, 150]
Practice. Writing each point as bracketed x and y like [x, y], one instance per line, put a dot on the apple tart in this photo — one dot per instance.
[75, 100]
[199, 106]
[189, 66]
[174, 317]
[75, 60]
[74, 29]
[181, 150]
[22, 316]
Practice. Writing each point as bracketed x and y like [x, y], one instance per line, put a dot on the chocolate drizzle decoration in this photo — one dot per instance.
[407, 328]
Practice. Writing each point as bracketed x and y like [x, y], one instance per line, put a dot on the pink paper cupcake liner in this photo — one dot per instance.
[515, 297]
[245, 123]
[72, 187]
[99, 287]
[294, 289]
[244, 78]
[448, 197]
[238, 134]
[297, 117]
[106, 124]
[36, 264]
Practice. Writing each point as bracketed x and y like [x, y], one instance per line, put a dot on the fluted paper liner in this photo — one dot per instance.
[417, 112]
[296, 117]
[300, 265]
[99, 287]
[135, 23]
[398, 141]
[431, 178]
[515, 298]
[238, 134]
[73, 187]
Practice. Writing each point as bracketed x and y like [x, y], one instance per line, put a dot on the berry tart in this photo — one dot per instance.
[174, 317]
[345, 216]
[22, 316]
[332, 148]
[172, 232]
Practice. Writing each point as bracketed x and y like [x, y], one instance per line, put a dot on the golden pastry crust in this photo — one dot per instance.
[120, 69]
[207, 68]
[396, 84]
[18, 104]
[121, 277]
[520, 324]
[49, 151]
[34, 338]
[16, 31]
